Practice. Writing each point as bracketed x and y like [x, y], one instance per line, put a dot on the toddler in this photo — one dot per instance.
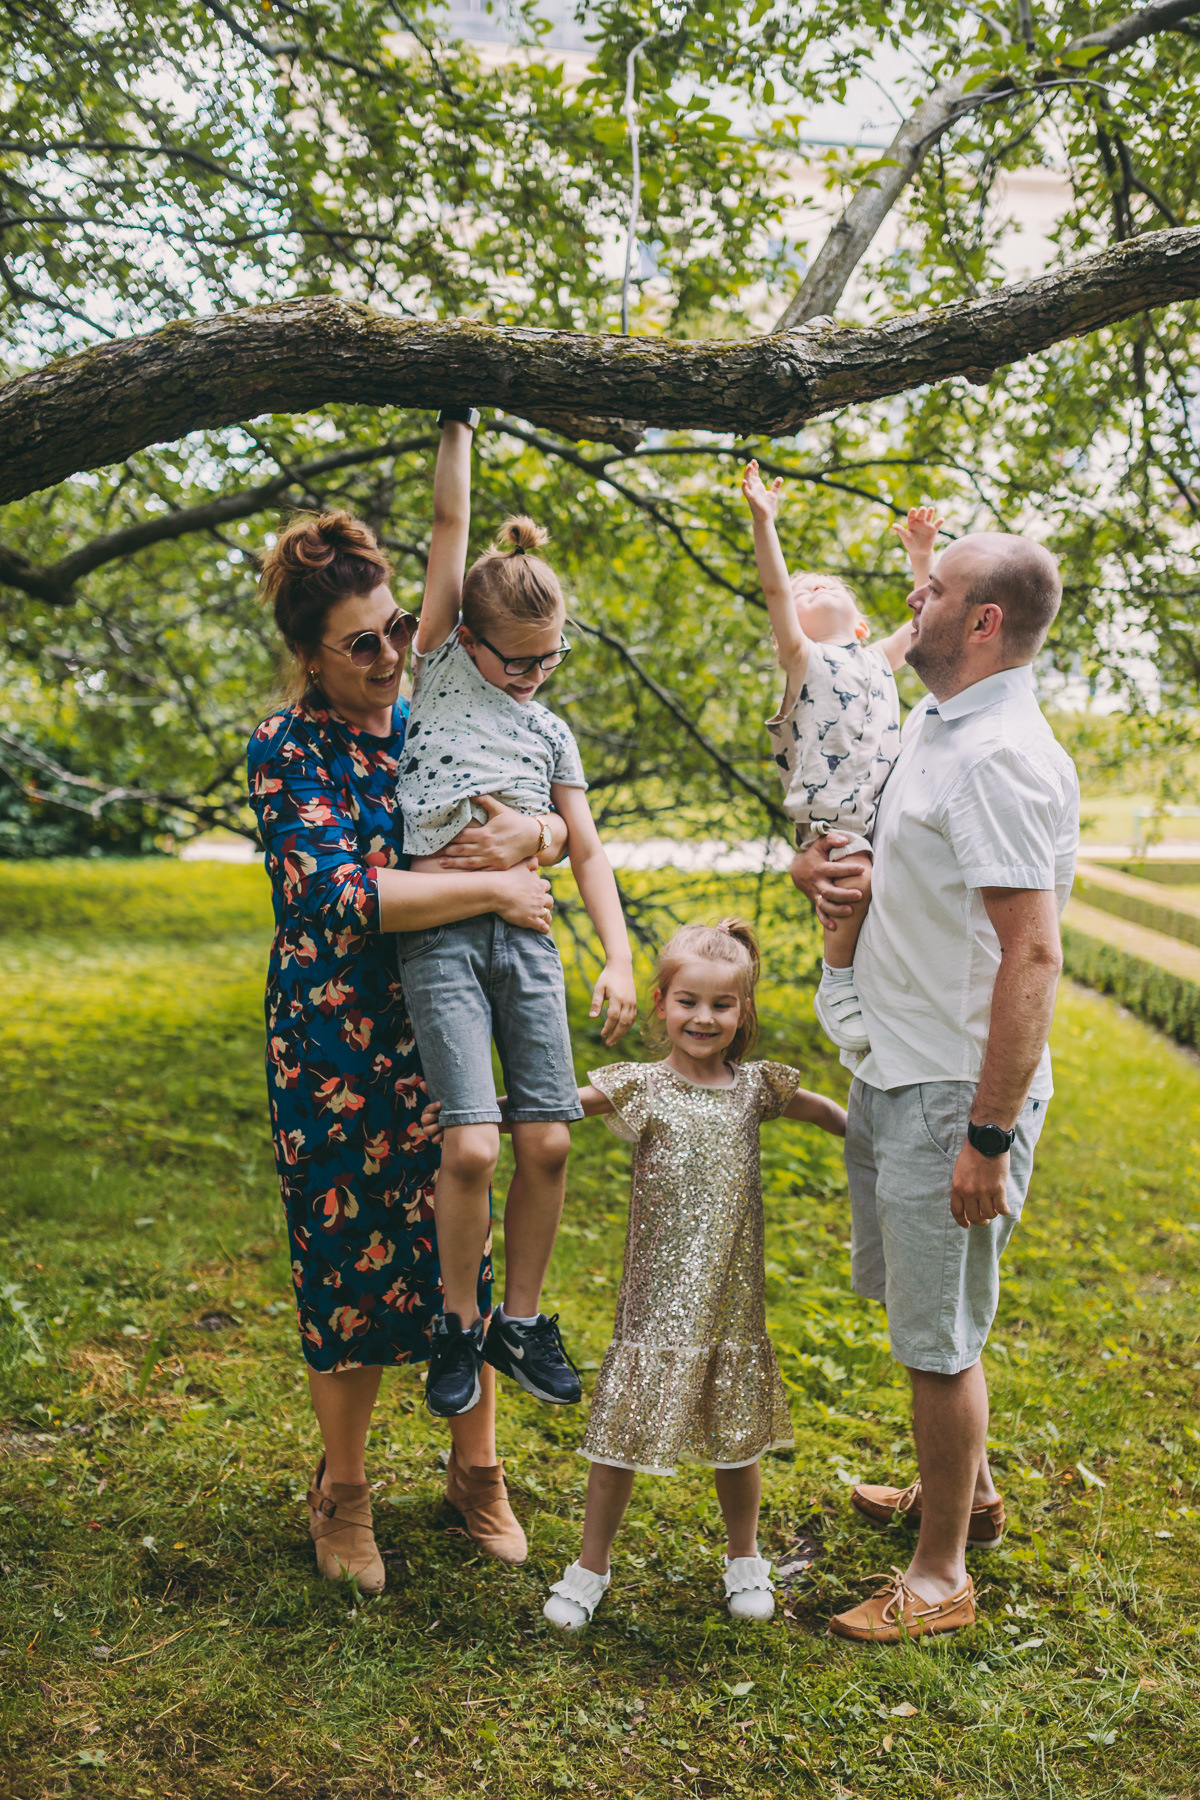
[690, 1374]
[837, 731]
[484, 646]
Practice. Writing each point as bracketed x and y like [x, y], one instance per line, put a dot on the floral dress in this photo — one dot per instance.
[345, 1082]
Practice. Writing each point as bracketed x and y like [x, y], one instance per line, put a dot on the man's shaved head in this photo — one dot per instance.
[1022, 579]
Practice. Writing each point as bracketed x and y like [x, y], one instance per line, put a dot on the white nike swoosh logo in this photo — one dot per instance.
[514, 1349]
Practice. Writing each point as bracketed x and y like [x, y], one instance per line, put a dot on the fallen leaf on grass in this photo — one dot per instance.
[1029, 1644]
[738, 1689]
[91, 1759]
[905, 1710]
[1089, 1480]
[887, 1742]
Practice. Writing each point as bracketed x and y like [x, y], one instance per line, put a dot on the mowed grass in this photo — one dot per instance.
[162, 1631]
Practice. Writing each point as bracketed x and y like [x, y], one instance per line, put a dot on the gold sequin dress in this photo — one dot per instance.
[690, 1375]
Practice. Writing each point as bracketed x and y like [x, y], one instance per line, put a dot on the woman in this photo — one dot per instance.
[345, 1083]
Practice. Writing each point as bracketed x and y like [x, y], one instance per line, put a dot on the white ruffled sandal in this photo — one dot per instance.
[575, 1598]
[749, 1588]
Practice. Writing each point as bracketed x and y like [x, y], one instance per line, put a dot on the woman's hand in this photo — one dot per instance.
[523, 897]
[617, 986]
[506, 839]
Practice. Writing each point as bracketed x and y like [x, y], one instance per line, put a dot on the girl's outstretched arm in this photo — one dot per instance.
[448, 544]
[817, 1109]
[598, 891]
[791, 643]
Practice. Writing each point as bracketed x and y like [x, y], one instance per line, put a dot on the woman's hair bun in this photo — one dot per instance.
[519, 534]
[319, 559]
[313, 541]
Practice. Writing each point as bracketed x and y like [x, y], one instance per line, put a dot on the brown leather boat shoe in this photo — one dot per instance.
[896, 1613]
[481, 1496]
[881, 1504]
[339, 1521]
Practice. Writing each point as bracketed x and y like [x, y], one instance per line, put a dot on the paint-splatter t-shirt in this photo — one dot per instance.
[467, 737]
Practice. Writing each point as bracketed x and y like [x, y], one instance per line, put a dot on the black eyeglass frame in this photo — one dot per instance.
[408, 619]
[525, 665]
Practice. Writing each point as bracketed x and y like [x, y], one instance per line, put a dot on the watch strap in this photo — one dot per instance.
[460, 415]
[989, 1140]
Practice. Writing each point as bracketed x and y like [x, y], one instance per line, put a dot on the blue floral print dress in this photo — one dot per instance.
[346, 1089]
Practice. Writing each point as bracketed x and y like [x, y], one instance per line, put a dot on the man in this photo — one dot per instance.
[956, 967]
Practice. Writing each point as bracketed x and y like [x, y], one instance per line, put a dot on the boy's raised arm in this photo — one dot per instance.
[448, 543]
[791, 643]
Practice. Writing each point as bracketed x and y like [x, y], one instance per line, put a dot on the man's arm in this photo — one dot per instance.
[1026, 922]
[822, 881]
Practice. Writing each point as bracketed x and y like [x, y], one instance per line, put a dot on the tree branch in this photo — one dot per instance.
[299, 355]
[827, 279]
[55, 583]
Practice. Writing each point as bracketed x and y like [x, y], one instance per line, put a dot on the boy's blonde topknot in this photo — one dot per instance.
[510, 582]
[731, 940]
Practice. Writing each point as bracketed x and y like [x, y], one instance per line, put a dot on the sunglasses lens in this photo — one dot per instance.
[401, 630]
[365, 649]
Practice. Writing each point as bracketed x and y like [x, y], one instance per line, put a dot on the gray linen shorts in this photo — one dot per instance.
[939, 1283]
[482, 978]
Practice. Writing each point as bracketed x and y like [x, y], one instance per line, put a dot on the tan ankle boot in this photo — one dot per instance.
[339, 1520]
[482, 1498]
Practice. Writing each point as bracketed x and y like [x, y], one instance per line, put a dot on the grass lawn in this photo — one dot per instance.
[163, 1633]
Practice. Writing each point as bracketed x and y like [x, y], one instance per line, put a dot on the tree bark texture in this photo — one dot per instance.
[92, 410]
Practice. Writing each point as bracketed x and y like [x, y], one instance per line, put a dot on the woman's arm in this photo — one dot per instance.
[817, 1109]
[412, 902]
[598, 891]
[448, 543]
[508, 837]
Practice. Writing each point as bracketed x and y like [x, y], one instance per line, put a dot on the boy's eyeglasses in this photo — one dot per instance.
[367, 647]
[525, 665]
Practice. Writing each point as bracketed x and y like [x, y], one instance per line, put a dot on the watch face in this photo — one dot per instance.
[989, 1139]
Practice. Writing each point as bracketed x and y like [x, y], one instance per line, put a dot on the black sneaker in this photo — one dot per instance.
[455, 1359]
[533, 1356]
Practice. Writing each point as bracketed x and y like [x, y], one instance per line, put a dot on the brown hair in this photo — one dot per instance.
[508, 582]
[731, 941]
[1022, 579]
[320, 559]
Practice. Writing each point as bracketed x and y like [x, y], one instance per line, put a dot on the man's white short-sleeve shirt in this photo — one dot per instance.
[981, 796]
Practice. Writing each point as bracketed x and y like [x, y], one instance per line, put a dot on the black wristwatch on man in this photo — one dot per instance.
[989, 1140]
[461, 415]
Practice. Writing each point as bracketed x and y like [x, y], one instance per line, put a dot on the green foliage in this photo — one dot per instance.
[1169, 1001]
[398, 167]
[156, 1565]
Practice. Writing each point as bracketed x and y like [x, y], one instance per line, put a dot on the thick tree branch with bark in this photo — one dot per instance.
[848, 242]
[95, 409]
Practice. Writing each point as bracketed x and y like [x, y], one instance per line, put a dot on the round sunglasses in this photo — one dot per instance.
[367, 647]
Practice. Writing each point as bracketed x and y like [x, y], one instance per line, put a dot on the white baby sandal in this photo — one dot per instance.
[749, 1588]
[575, 1598]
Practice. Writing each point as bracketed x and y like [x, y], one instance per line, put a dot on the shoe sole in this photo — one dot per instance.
[515, 1373]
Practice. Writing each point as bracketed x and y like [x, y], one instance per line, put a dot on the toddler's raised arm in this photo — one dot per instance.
[790, 641]
[918, 534]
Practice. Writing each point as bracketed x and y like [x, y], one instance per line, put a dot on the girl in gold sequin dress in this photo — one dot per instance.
[691, 1375]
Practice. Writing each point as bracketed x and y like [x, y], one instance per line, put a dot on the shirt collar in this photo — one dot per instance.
[1006, 684]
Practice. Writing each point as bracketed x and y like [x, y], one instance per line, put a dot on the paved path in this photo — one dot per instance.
[1152, 946]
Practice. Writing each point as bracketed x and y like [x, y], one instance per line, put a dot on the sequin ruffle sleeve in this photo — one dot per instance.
[627, 1086]
[778, 1086]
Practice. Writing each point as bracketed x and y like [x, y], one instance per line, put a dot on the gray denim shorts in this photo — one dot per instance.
[939, 1283]
[482, 978]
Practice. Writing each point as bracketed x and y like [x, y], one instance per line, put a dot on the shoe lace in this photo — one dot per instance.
[906, 1499]
[550, 1325]
[900, 1596]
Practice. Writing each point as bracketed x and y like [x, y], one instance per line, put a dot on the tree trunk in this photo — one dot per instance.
[91, 410]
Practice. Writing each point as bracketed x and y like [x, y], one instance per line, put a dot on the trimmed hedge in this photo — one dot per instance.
[1169, 874]
[1155, 915]
[1169, 1001]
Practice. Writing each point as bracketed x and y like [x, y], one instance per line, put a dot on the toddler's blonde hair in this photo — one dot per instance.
[730, 941]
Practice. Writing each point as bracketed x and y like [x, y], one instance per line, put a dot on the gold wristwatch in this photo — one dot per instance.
[544, 840]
